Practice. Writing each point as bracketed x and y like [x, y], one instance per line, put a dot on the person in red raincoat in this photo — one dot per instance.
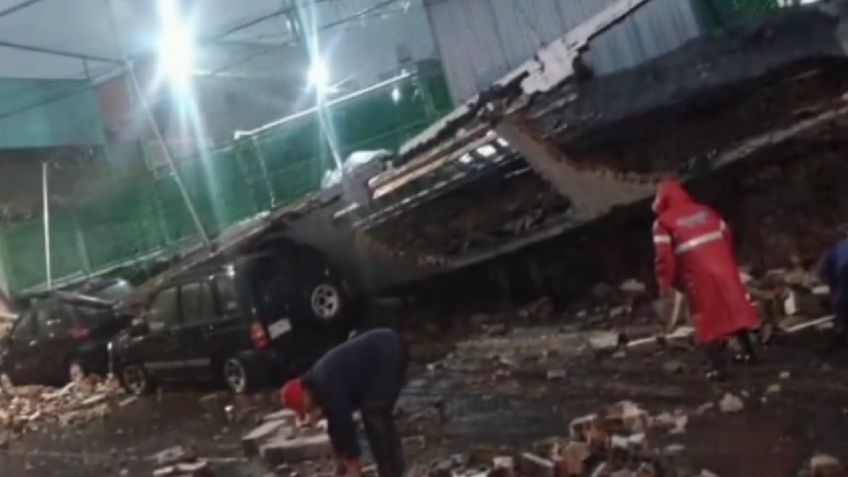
[694, 253]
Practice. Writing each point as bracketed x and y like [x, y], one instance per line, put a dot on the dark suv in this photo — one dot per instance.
[255, 318]
[63, 336]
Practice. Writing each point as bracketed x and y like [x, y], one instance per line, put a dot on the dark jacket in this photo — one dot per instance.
[835, 273]
[366, 372]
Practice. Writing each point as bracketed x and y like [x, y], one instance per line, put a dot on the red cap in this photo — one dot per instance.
[292, 397]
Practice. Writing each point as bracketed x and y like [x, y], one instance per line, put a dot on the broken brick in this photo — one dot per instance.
[581, 426]
[731, 404]
[281, 450]
[164, 471]
[824, 465]
[254, 439]
[572, 459]
[194, 469]
[170, 456]
[286, 415]
[535, 466]
[503, 462]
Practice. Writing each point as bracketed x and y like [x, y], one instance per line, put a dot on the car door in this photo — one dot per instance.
[21, 362]
[55, 342]
[160, 350]
[199, 320]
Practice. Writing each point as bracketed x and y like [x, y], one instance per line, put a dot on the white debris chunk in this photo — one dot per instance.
[731, 404]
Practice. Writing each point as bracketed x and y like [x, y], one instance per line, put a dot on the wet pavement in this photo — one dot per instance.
[495, 395]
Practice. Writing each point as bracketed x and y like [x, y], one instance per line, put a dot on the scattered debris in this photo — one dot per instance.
[176, 461]
[414, 442]
[25, 408]
[573, 459]
[266, 431]
[126, 402]
[674, 366]
[731, 404]
[785, 375]
[541, 309]
[604, 341]
[823, 465]
[633, 286]
[535, 466]
[673, 423]
[773, 389]
[281, 449]
[171, 456]
[556, 374]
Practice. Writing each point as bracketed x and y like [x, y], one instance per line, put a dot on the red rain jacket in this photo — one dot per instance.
[694, 253]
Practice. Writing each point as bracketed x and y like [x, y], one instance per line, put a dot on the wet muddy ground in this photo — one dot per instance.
[499, 395]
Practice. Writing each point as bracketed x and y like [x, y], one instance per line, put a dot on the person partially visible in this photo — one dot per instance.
[768, 293]
[834, 272]
[694, 254]
[364, 374]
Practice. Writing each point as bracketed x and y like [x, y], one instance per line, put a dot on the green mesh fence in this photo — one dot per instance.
[141, 214]
[723, 14]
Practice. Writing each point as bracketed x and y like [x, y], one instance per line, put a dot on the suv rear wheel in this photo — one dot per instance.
[326, 301]
[238, 376]
[135, 380]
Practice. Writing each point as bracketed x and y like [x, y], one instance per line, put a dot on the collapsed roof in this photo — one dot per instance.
[601, 142]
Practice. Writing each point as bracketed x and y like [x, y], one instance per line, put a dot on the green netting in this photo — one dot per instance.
[66, 114]
[141, 213]
[722, 14]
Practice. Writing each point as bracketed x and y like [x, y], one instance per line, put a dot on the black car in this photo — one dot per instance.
[247, 321]
[63, 336]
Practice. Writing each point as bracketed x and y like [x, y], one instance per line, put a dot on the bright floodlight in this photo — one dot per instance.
[396, 96]
[319, 75]
[176, 48]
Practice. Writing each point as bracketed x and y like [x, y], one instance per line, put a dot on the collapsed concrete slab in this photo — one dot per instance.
[267, 431]
[281, 450]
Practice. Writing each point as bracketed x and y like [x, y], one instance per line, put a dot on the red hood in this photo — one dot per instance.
[670, 194]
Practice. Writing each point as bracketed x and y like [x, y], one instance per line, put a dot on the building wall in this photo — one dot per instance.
[47, 113]
[481, 40]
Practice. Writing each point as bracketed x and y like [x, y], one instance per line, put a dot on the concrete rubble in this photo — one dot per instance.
[281, 444]
[823, 465]
[178, 462]
[618, 441]
[28, 408]
[731, 403]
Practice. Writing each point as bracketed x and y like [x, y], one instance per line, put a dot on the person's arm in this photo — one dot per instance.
[665, 268]
[342, 432]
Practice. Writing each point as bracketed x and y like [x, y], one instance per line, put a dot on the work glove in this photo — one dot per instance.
[345, 466]
[348, 467]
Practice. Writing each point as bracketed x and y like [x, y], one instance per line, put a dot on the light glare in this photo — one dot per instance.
[319, 75]
[176, 47]
[487, 150]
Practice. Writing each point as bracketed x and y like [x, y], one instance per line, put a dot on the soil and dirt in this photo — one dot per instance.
[500, 385]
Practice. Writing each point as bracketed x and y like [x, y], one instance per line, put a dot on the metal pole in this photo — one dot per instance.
[325, 124]
[148, 113]
[169, 158]
[46, 214]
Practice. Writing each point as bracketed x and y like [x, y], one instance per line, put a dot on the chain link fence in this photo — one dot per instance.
[139, 214]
